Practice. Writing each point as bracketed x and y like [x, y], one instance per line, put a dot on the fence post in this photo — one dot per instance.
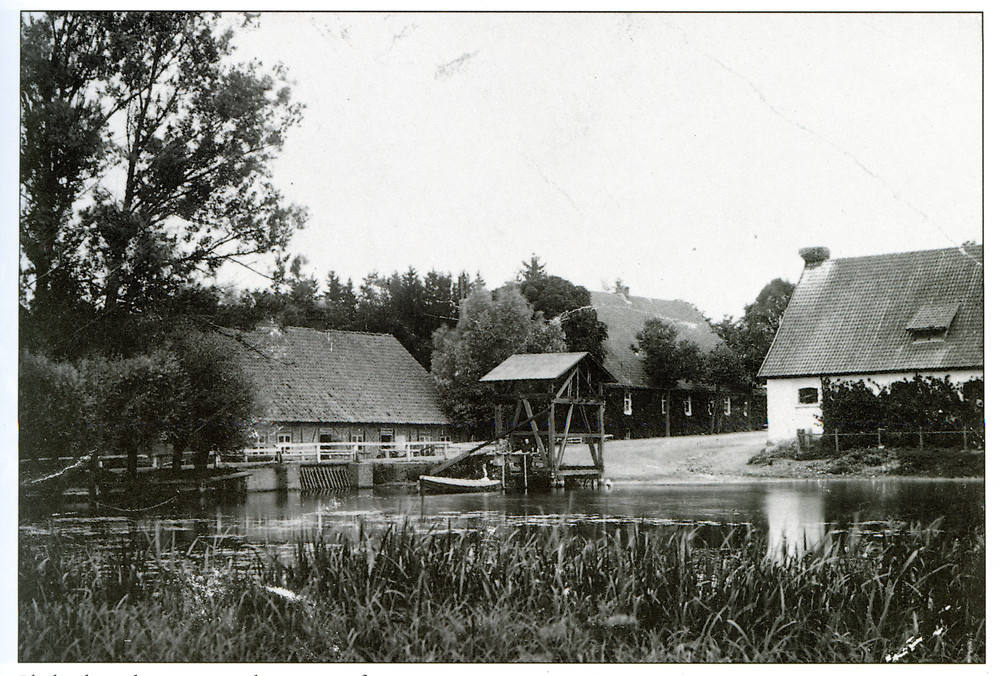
[965, 443]
[836, 439]
[880, 438]
[920, 435]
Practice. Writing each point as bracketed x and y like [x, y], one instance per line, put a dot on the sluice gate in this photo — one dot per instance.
[324, 477]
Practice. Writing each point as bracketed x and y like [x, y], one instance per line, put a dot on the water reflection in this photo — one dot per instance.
[796, 523]
[797, 514]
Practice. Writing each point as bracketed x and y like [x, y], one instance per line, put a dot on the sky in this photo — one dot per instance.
[689, 155]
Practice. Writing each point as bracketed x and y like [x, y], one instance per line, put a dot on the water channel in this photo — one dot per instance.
[796, 514]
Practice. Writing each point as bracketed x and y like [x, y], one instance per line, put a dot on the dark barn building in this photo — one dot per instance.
[634, 409]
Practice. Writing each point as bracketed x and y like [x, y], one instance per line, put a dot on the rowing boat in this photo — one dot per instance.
[444, 484]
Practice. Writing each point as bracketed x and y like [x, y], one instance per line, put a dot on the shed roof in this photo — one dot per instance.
[338, 377]
[855, 315]
[547, 366]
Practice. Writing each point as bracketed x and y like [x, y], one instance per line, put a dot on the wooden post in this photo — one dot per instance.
[965, 441]
[920, 436]
[497, 424]
[668, 413]
[600, 439]
[551, 452]
[836, 439]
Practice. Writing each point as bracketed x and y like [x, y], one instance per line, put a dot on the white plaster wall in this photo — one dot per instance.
[785, 415]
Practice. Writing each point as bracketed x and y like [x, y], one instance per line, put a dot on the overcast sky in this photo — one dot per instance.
[690, 156]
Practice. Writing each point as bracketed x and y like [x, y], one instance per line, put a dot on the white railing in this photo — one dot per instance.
[349, 451]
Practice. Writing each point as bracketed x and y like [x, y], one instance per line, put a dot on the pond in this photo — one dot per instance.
[796, 514]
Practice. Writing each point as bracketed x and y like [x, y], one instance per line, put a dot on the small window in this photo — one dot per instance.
[284, 441]
[808, 395]
[325, 440]
[729, 406]
[687, 406]
[627, 406]
[930, 323]
[357, 438]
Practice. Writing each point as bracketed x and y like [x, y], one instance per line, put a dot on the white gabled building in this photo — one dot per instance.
[875, 318]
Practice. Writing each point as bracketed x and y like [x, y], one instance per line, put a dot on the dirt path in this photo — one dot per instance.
[694, 458]
[723, 457]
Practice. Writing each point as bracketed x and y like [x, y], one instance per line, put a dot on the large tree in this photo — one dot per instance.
[665, 359]
[144, 157]
[750, 337]
[491, 327]
[557, 298]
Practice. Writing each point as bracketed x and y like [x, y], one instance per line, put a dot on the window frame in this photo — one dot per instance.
[808, 393]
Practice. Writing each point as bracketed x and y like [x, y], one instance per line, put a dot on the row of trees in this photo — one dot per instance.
[186, 392]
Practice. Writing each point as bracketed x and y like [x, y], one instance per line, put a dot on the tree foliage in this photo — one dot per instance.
[51, 408]
[667, 360]
[186, 391]
[557, 298]
[175, 139]
[750, 337]
[491, 327]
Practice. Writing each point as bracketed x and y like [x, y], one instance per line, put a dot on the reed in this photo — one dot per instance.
[629, 594]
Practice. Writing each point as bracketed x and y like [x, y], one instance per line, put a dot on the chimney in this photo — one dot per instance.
[814, 255]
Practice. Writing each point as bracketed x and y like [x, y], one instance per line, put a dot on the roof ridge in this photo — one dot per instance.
[897, 254]
[325, 331]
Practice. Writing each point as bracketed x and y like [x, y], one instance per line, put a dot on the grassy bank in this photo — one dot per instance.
[550, 595]
[872, 461]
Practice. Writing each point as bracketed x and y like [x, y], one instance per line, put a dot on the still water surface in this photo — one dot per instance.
[795, 513]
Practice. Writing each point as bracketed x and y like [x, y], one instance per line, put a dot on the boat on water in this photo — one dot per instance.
[443, 484]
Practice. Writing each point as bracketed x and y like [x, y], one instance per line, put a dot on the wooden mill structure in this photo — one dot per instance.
[557, 397]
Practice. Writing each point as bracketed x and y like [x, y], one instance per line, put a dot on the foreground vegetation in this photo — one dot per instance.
[626, 594]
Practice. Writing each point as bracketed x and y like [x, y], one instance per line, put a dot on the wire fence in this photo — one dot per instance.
[836, 440]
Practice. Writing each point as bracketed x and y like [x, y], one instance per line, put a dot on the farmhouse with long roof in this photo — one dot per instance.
[878, 318]
[339, 387]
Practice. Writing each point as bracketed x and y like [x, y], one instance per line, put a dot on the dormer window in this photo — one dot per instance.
[931, 322]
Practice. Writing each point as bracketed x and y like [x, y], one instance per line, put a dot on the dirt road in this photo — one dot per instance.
[694, 458]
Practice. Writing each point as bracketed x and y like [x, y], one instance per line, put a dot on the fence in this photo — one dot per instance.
[969, 438]
[350, 451]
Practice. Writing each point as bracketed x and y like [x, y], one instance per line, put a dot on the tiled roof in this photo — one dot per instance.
[547, 366]
[625, 318]
[338, 377]
[851, 315]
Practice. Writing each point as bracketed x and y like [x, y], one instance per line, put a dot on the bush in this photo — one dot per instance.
[866, 414]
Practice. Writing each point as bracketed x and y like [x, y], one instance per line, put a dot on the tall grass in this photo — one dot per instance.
[549, 594]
